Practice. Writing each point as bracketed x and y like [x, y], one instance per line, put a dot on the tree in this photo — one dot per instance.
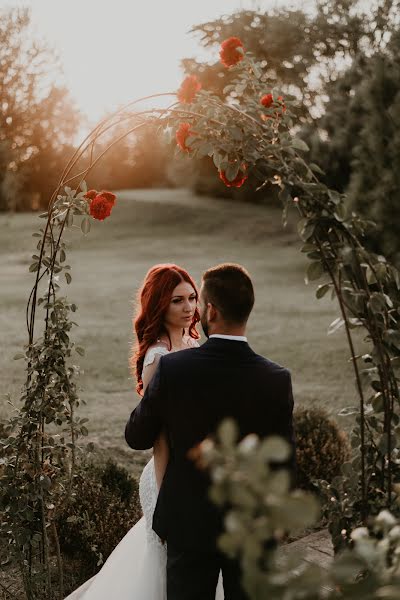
[358, 142]
[305, 54]
[302, 51]
[38, 120]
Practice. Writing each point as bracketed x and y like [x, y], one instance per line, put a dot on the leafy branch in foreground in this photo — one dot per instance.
[261, 510]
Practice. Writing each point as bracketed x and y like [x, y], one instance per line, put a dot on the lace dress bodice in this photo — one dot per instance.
[148, 489]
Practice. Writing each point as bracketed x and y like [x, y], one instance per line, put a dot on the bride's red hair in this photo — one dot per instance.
[153, 300]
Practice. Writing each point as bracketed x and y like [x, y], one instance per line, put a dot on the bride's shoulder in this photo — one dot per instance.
[156, 349]
[191, 342]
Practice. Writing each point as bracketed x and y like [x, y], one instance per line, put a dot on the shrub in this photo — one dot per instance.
[321, 447]
[104, 506]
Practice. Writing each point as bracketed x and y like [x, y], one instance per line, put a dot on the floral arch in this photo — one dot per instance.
[252, 132]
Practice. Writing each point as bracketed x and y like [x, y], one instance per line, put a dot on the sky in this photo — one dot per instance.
[116, 51]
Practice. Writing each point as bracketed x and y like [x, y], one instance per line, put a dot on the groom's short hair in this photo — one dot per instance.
[229, 288]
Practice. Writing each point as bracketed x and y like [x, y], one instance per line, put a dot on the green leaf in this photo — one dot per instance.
[68, 277]
[205, 149]
[217, 159]
[70, 219]
[316, 169]
[348, 411]
[307, 248]
[34, 267]
[370, 275]
[19, 355]
[275, 448]
[322, 290]
[298, 144]
[392, 336]
[377, 302]
[80, 350]
[396, 276]
[85, 225]
[378, 403]
[232, 170]
[340, 212]
[334, 196]
[305, 228]
[314, 271]
[62, 255]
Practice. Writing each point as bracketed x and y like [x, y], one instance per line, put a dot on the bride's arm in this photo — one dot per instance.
[160, 449]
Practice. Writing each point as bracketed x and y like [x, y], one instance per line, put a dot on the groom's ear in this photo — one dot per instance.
[212, 312]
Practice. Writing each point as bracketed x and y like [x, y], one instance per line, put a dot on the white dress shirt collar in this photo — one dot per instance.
[237, 338]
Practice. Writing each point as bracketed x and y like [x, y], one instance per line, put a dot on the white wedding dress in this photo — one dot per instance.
[136, 568]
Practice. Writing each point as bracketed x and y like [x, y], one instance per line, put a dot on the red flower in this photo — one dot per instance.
[181, 136]
[188, 90]
[101, 205]
[267, 100]
[108, 196]
[237, 182]
[229, 53]
[90, 194]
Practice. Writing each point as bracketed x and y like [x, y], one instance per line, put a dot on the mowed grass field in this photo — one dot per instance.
[288, 324]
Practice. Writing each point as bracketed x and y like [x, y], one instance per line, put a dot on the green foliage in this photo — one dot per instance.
[361, 151]
[260, 507]
[103, 506]
[295, 46]
[321, 447]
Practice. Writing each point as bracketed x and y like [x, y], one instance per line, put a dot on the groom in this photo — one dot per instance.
[191, 392]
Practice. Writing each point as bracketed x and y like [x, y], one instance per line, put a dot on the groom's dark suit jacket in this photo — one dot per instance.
[191, 392]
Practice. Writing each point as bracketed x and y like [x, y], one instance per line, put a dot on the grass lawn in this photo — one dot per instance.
[146, 227]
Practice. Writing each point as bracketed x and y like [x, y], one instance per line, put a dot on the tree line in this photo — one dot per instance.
[340, 62]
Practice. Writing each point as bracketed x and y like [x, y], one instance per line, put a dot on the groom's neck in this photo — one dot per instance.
[225, 329]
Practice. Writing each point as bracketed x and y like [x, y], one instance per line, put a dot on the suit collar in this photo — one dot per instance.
[237, 338]
[227, 346]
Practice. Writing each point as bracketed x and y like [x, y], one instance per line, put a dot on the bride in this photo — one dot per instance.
[166, 322]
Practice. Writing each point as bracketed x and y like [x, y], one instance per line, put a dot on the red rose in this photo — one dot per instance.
[267, 100]
[101, 206]
[237, 182]
[181, 136]
[108, 196]
[90, 194]
[229, 53]
[188, 90]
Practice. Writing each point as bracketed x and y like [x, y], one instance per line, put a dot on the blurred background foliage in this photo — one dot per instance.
[340, 60]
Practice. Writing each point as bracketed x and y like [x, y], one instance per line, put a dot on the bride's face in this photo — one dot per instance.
[182, 306]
